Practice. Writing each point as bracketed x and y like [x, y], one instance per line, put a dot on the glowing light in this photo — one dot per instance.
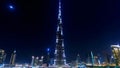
[61, 32]
[42, 57]
[115, 46]
[112, 57]
[48, 49]
[37, 57]
[56, 40]
[58, 28]
[63, 54]
[11, 7]
[55, 51]
[62, 44]
[14, 51]
[32, 56]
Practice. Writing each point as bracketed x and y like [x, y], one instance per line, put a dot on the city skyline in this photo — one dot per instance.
[30, 29]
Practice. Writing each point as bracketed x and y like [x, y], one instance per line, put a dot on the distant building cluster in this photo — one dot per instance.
[92, 60]
[3, 57]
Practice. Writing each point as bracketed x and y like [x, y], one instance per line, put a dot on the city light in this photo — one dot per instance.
[48, 49]
[11, 7]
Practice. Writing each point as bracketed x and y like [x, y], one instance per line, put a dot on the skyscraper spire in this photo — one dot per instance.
[59, 12]
[60, 58]
[59, 18]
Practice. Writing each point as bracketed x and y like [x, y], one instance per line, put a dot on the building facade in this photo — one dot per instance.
[60, 58]
[2, 56]
[116, 53]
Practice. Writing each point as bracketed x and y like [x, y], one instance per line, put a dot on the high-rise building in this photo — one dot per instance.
[2, 56]
[111, 60]
[116, 53]
[13, 57]
[96, 60]
[48, 56]
[41, 60]
[92, 58]
[36, 61]
[60, 58]
[32, 62]
[78, 59]
[88, 59]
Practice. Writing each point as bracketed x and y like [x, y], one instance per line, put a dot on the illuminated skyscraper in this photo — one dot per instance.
[60, 58]
[92, 57]
[88, 60]
[96, 60]
[36, 61]
[78, 60]
[32, 62]
[2, 56]
[13, 57]
[116, 53]
[41, 60]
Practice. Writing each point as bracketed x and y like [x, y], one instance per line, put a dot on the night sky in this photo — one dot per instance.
[30, 27]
